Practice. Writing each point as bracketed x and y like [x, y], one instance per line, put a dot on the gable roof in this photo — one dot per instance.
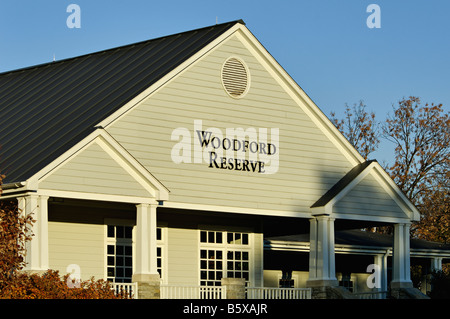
[342, 184]
[46, 109]
[352, 178]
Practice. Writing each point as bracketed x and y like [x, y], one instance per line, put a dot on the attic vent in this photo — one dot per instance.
[235, 77]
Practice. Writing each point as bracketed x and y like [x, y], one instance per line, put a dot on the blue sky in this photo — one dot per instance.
[325, 45]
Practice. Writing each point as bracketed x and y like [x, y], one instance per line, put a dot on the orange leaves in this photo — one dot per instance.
[359, 128]
[51, 285]
[420, 136]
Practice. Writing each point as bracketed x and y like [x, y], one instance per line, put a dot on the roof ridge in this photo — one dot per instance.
[240, 21]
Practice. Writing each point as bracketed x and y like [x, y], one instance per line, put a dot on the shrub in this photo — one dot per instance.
[51, 285]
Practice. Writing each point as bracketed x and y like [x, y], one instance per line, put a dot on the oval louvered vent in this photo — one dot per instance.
[235, 77]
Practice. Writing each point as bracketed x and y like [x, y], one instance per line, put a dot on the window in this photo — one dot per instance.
[119, 253]
[160, 252]
[223, 254]
[346, 282]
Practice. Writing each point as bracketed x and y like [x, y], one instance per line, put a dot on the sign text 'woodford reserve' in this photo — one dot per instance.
[238, 149]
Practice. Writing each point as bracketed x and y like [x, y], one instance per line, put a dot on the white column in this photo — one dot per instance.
[381, 261]
[401, 274]
[36, 256]
[322, 270]
[146, 259]
[436, 263]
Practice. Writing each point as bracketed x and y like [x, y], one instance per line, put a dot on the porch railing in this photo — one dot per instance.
[193, 292]
[129, 289]
[277, 293]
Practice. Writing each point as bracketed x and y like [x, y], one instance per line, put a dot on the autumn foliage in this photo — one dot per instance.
[51, 285]
[15, 232]
[420, 136]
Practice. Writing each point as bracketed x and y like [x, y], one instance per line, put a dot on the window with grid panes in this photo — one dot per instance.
[119, 253]
[159, 251]
[223, 254]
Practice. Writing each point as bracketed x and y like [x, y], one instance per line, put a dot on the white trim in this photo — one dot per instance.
[234, 209]
[97, 197]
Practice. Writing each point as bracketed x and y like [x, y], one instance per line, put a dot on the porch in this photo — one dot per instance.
[220, 292]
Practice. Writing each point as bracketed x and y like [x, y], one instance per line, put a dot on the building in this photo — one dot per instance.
[171, 160]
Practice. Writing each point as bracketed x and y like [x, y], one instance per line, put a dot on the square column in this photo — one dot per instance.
[36, 256]
[145, 270]
[401, 273]
[380, 274]
[322, 270]
[146, 240]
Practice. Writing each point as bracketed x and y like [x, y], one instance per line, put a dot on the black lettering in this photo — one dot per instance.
[223, 163]
[204, 141]
[253, 164]
[211, 160]
[262, 148]
[245, 146]
[274, 149]
[215, 138]
[234, 145]
[223, 143]
[237, 164]
[230, 163]
[261, 167]
[245, 165]
[253, 143]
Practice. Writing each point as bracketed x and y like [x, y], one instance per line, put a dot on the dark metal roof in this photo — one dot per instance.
[46, 109]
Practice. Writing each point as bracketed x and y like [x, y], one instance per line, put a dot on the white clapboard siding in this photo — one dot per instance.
[377, 201]
[309, 162]
[93, 171]
[80, 244]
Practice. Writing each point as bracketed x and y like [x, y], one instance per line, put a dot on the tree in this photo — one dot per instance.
[359, 127]
[421, 137]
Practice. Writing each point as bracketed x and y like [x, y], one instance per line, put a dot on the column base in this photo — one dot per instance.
[401, 284]
[235, 287]
[149, 285]
[316, 283]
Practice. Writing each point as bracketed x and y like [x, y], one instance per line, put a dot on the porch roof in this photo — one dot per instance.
[360, 238]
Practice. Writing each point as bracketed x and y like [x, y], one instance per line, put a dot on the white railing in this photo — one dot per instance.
[129, 289]
[277, 293]
[193, 292]
[371, 295]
